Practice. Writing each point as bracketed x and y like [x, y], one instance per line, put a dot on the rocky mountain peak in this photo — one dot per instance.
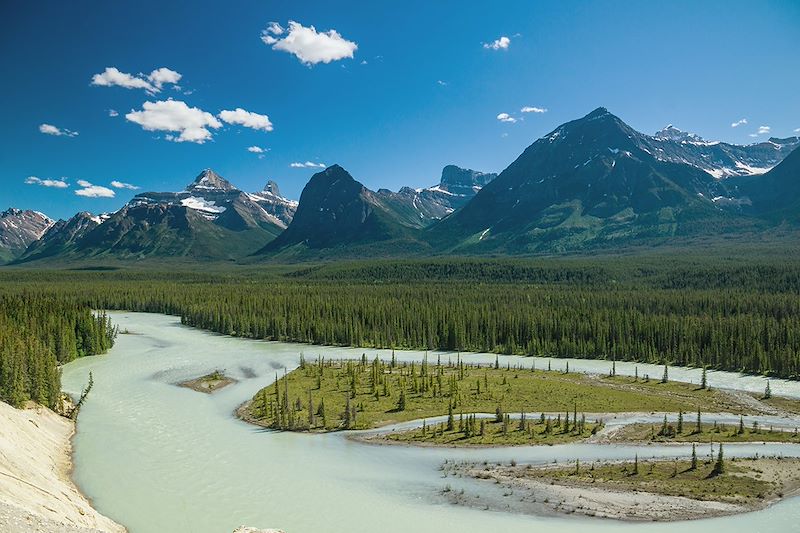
[671, 133]
[209, 180]
[272, 188]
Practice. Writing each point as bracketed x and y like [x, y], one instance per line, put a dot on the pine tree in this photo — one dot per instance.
[719, 466]
[680, 422]
[401, 402]
[450, 420]
[703, 380]
[665, 377]
[741, 425]
[767, 392]
[699, 427]
[636, 464]
[694, 457]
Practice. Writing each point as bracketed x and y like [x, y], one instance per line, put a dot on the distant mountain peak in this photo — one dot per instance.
[272, 188]
[210, 180]
[597, 113]
[671, 133]
[465, 181]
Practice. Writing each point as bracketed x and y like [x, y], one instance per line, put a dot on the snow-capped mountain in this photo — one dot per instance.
[213, 197]
[272, 202]
[719, 159]
[18, 229]
[62, 236]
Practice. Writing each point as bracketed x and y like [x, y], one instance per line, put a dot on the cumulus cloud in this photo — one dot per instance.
[738, 123]
[113, 113]
[531, 109]
[256, 149]
[307, 44]
[797, 130]
[122, 185]
[89, 190]
[505, 117]
[246, 119]
[49, 129]
[152, 83]
[308, 164]
[191, 123]
[58, 184]
[498, 44]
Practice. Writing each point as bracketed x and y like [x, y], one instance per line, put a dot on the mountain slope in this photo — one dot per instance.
[335, 209]
[590, 182]
[18, 229]
[776, 194]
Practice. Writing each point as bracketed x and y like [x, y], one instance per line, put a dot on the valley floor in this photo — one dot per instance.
[36, 492]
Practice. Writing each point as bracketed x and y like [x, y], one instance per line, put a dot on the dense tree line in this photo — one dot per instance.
[731, 315]
[39, 332]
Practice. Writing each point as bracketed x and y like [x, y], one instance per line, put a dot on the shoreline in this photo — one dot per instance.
[547, 496]
[37, 492]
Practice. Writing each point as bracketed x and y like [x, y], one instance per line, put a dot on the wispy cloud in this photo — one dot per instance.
[113, 113]
[442, 83]
[531, 109]
[58, 184]
[307, 44]
[502, 43]
[308, 164]
[797, 130]
[49, 129]
[762, 130]
[256, 149]
[505, 117]
[88, 190]
[122, 185]
[247, 119]
[191, 123]
[152, 83]
[740, 122]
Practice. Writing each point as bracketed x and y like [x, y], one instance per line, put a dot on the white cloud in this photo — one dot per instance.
[762, 130]
[174, 115]
[93, 191]
[152, 83]
[797, 130]
[530, 109]
[163, 75]
[49, 129]
[308, 164]
[246, 119]
[122, 185]
[58, 184]
[442, 83]
[113, 113]
[505, 117]
[498, 44]
[256, 149]
[308, 45]
[738, 123]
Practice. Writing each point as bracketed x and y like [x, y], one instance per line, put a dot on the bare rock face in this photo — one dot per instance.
[245, 529]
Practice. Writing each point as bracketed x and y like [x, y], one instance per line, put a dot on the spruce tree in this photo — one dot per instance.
[694, 457]
[703, 380]
[665, 377]
[767, 392]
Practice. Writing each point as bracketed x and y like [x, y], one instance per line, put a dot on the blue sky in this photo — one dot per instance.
[423, 88]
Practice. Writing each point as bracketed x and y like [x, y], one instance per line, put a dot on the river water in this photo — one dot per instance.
[160, 458]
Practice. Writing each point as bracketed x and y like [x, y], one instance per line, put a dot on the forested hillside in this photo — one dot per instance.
[732, 315]
[38, 332]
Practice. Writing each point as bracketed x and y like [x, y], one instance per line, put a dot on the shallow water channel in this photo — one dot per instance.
[160, 458]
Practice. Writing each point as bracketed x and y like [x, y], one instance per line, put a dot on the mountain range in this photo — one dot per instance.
[593, 182]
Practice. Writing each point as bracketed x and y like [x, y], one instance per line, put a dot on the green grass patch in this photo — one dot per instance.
[329, 395]
[708, 432]
[742, 481]
[493, 432]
